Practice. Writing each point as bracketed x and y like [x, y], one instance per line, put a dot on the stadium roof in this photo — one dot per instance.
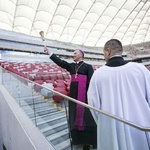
[83, 22]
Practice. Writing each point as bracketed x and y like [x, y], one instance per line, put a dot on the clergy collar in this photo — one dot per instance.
[116, 56]
[78, 62]
[116, 61]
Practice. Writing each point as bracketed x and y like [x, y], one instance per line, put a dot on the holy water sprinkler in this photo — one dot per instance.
[42, 37]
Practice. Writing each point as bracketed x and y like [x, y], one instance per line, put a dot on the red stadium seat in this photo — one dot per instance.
[60, 76]
[39, 81]
[57, 98]
[53, 77]
[59, 84]
[38, 78]
[45, 77]
[66, 76]
[49, 81]
[59, 81]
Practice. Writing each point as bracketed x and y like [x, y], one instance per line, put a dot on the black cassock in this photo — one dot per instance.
[89, 134]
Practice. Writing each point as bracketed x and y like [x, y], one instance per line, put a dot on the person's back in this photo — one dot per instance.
[121, 89]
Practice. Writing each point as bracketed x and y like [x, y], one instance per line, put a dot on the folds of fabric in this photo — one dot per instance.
[79, 121]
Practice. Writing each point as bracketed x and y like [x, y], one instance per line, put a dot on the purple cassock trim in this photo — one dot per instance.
[82, 80]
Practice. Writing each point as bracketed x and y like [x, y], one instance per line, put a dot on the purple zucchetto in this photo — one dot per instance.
[81, 52]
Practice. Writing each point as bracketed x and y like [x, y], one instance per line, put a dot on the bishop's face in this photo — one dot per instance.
[77, 56]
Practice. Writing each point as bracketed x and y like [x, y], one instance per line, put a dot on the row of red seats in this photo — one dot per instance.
[58, 77]
[61, 86]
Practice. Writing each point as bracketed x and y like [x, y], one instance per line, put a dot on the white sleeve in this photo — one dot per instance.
[147, 82]
[93, 98]
[50, 54]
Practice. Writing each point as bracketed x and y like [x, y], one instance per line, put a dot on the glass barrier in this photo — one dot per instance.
[63, 122]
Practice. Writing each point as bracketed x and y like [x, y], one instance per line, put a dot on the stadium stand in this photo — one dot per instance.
[24, 56]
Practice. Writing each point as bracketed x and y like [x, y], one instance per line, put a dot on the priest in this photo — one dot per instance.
[122, 89]
[83, 129]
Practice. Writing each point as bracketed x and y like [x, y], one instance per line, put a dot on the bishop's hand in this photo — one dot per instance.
[46, 50]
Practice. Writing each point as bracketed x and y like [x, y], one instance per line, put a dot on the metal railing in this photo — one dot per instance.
[41, 109]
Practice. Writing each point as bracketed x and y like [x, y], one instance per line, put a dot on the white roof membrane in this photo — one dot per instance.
[87, 23]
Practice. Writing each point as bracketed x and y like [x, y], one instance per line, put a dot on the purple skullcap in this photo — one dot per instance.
[81, 52]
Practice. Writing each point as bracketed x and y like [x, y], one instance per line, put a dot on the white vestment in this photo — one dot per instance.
[123, 91]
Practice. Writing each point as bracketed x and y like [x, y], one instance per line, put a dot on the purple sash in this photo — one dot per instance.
[82, 80]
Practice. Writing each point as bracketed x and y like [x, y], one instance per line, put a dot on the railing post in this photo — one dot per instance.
[34, 108]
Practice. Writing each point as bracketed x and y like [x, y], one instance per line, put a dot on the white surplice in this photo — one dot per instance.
[122, 91]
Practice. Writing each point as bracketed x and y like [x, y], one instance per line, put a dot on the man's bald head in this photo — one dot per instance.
[111, 48]
[115, 45]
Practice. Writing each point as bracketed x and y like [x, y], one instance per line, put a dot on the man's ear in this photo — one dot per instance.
[109, 51]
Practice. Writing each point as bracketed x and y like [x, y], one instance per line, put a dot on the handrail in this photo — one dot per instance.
[86, 105]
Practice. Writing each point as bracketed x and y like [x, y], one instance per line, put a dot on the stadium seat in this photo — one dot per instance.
[57, 98]
[66, 76]
[39, 81]
[53, 77]
[60, 76]
[45, 77]
[38, 78]
[50, 81]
